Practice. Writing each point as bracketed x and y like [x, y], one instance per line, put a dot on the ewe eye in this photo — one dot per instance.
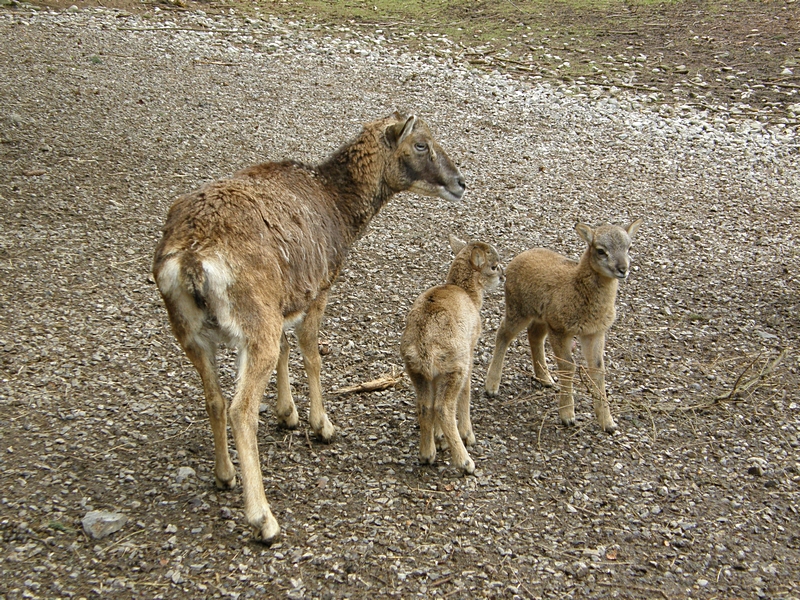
[420, 147]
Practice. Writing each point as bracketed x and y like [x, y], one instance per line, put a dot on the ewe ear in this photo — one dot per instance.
[456, 244]
[586, 233]
[396, 133]
[633, 227]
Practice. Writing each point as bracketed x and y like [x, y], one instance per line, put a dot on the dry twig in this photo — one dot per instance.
[383, 382]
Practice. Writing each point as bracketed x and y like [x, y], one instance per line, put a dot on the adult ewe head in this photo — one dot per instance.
[421, 165]
[391, 155]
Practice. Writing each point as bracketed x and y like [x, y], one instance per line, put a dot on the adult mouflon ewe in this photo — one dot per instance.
[559, 298]
[244, 258]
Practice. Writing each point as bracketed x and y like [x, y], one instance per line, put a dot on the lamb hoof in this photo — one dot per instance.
[269, 533]
[468, 467]
[469, 438]
[568, 422]
[492, 393]
[610, 428]
[225, 484]
[290, 421]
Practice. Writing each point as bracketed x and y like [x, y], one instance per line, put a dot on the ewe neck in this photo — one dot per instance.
[354, 176]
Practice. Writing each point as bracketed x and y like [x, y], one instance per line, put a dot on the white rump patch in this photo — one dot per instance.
[218, 276]
[218, 279]
[169, 277]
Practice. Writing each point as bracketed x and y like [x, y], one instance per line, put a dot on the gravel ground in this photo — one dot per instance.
[105, 117]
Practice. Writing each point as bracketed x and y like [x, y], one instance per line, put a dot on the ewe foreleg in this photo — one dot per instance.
[285, 409]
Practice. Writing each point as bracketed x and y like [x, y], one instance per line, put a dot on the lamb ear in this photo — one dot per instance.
[586, 233]
[633, 227]
[478, 258]
[456, 244]
[395, 134]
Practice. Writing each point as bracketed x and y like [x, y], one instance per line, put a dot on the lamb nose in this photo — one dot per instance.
[461, 183]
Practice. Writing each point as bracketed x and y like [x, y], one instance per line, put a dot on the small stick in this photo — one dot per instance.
[736, 384]
[308, 441]
[376, 385]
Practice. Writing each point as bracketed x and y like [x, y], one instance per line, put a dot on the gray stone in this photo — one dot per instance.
[185, 473]
[99, 523]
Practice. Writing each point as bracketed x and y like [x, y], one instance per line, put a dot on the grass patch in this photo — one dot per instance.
[59, 526]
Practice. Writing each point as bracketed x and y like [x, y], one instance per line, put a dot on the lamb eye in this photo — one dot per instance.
[601, 252]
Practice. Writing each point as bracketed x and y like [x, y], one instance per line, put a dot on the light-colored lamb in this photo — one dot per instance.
[244, 258]
[438, 345]
[558, 298]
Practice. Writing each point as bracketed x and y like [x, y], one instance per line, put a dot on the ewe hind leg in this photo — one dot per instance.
[308, 340]
[537, 333]
[592, 347]
[285, 410]
[510, 326]
[562, 347]
[425, 416]
[256, 363]
[446, 405]
[203, 357]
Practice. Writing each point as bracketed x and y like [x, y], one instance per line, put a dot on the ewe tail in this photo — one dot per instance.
[199, 288]
[194, 279]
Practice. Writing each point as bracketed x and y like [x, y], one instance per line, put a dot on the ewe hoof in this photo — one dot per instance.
[325, 431]
[491, 392]
[568, 421]
[469, 438]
